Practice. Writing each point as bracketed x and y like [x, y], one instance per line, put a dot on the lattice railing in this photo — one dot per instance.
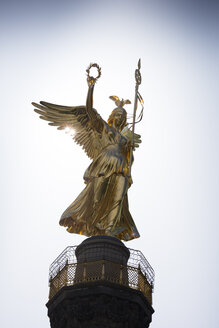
[137, 274]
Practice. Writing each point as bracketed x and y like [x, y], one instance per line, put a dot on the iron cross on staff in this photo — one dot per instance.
[139, 98]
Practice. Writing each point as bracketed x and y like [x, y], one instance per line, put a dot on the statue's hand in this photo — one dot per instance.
[91, 81]
[127, 133]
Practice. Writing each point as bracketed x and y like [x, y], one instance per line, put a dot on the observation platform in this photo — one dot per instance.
[100, 273]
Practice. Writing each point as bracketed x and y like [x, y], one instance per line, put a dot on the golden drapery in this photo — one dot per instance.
[102, 207]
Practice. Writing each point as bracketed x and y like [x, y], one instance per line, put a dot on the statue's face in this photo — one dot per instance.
[119, 117]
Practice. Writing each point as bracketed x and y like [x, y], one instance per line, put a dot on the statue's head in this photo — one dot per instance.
[118, 118]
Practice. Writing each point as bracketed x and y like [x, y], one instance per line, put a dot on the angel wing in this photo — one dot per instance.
[114, 98]
[127, 101]
[73, 117]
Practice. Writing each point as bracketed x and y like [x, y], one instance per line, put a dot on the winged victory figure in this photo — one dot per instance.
[102, 206]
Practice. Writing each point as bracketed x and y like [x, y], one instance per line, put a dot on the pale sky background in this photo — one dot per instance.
[46, 47]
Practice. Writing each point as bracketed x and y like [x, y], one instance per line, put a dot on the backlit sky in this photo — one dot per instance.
[46, 47]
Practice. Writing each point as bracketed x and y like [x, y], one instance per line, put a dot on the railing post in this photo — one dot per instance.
[139, 278]
[58, 275]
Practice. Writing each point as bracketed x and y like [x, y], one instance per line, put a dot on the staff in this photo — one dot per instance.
[137, 97]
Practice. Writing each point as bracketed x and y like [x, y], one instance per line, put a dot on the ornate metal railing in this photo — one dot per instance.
[137, 274]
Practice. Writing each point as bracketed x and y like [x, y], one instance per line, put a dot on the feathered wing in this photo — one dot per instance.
[114, 98]
[76, 118]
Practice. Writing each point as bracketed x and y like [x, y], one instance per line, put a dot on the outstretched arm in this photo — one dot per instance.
[89, 102]
[94, 117]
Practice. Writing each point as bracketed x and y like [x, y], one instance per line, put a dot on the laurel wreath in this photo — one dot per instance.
[94, 79]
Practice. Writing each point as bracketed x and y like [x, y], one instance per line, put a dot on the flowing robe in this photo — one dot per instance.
[102, 207]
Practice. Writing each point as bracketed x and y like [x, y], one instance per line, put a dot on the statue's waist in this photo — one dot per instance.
[107, 165]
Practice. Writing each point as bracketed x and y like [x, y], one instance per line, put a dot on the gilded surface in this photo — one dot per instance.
[102, 207]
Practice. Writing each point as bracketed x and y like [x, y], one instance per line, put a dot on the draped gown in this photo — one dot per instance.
[102, 207]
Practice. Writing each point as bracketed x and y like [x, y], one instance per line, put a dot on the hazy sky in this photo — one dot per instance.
[46, 47]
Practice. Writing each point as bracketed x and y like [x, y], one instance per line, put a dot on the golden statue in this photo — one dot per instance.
[102, 207]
